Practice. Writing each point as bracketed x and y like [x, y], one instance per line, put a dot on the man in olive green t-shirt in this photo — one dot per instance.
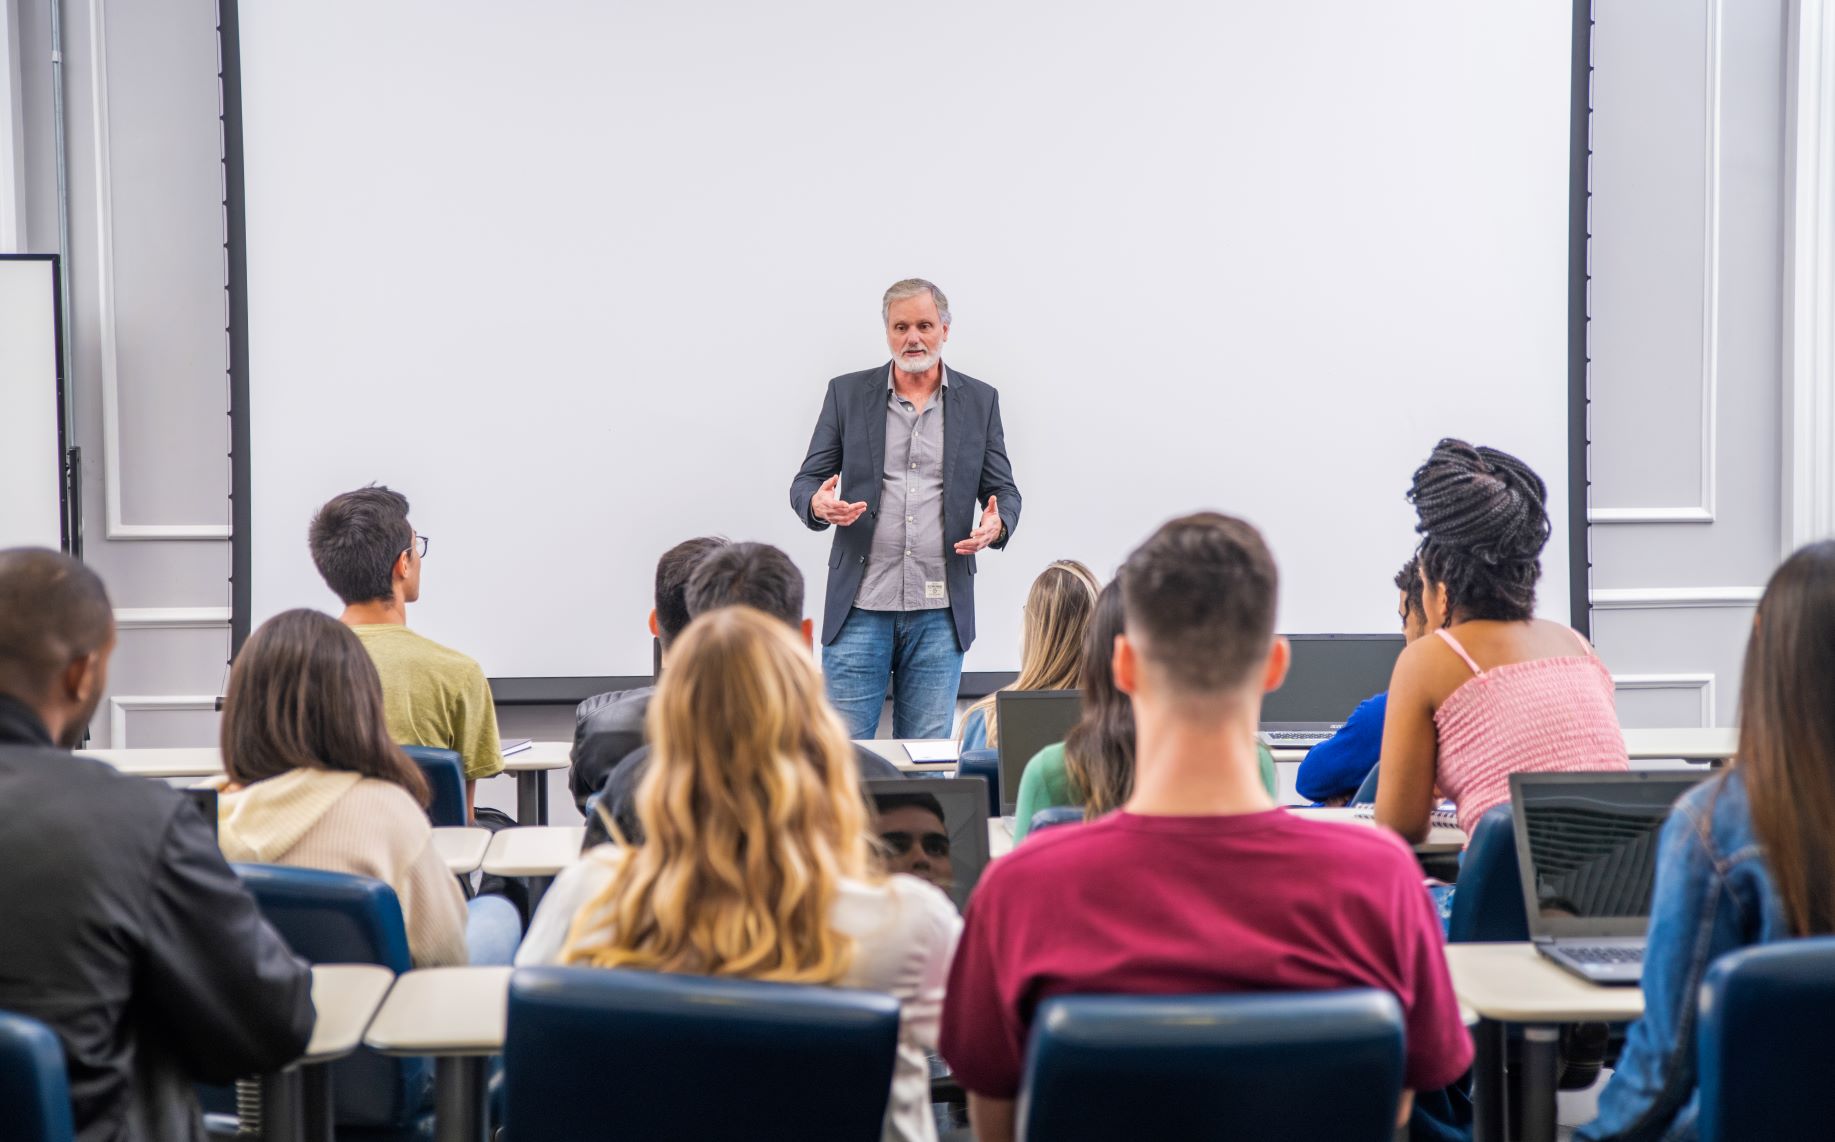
[370, 556]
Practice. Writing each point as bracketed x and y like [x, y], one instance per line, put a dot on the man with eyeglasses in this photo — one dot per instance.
[370, 556]
[914, 836]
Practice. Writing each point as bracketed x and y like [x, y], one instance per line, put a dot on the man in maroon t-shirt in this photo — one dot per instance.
[1199, 884]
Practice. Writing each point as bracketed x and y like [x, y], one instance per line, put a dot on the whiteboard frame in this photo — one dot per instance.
[573, 689]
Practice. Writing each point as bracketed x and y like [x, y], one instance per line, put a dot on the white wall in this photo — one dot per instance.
[1682, 88]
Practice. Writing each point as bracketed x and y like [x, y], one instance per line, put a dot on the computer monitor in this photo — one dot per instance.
[935, 828]
[1029, 721]
[1329, 675]
[1586, 847]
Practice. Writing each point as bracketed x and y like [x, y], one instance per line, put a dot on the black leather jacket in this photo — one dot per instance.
[131, 938]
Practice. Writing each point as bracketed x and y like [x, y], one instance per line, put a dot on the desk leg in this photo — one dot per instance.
[283, 1114]
[459, 1110]
[1540, 1060]
[1488, 1082]
[316, 1102]
[531, 799]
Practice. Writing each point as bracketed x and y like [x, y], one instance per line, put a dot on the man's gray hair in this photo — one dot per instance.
[912, 287]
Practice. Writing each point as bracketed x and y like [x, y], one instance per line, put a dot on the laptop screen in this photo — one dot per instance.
[1587, 847]
[1029, 721]
[934, 828]
[1329, 675]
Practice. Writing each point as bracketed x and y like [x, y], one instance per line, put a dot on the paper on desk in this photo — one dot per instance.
[517, 745]
[932, 751]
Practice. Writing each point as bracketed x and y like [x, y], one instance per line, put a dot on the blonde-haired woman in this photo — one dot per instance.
[1058, 610]
[758, 861]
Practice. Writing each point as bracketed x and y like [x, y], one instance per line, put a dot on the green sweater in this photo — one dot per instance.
[1045, 784]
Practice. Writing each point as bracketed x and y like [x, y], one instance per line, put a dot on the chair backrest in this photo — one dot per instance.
[1488, 905]
[586, 1046]
[338, 917]
[1053, 817]
[985, 764]
[34, 1089]
[445, 775]
[1247, 1067]
[1366, 793]
[1764, 1041]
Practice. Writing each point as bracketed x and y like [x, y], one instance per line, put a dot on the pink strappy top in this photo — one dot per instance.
[1546, 715]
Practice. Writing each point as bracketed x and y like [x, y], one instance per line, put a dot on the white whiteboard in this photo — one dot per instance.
[573, 276]
[31, 469]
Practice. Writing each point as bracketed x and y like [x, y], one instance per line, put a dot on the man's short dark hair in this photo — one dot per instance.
[755, 574]
[1408, 581]
[887, 802]
[673, 571]
[1199, 598]
[356, 538]
[53, 610]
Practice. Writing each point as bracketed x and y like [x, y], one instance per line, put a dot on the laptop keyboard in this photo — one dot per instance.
[1298, 735]
[1603, 955]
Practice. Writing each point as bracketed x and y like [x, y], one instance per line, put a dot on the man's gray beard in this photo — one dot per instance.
[922, 365]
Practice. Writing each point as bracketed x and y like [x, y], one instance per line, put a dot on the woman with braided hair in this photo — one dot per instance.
[1493, 690]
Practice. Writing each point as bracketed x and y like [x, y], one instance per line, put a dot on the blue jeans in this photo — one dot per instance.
[493, 929]
[916, 651]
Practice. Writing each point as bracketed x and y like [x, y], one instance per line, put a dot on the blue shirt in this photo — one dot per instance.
[1713, 894]
[1337, 766]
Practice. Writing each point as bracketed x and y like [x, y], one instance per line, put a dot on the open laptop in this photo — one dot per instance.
[1029, 721]
[1329, 675]
[951, 857]
[1586, 849]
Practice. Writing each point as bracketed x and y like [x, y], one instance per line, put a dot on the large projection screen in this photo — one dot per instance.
[573, 277]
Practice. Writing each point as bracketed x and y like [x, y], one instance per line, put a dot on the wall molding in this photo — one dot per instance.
[1668, 598]
[114, 526]
[120, 705]
[1704, 683]
[1705, 511]
[171, 618]
[12, 134]
[1809, 276]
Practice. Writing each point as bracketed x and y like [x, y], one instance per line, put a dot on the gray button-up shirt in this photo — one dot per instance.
[904, 568]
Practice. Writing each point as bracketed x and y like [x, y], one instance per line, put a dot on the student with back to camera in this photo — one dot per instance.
[1496, 691]
[1094, 765]
[759, 859]
[1334, 770]
[1746, 857]
[1057, 613]
[314, 780]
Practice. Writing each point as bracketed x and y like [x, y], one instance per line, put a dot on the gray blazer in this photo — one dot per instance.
[850, 438]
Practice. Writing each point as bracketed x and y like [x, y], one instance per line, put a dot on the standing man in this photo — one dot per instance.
[918, 446]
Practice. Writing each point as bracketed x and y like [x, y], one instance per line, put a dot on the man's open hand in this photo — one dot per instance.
[828, 507]
[986, 532]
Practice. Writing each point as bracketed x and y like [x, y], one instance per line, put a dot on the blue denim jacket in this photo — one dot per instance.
[1713, 894]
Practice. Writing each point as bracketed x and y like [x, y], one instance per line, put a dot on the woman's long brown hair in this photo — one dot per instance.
[304, 694]
[1099, 750]
[1787, 735]
[1058, 609]
[752, 817]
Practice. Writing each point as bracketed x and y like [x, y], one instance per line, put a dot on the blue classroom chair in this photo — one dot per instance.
[34, 1088]
[1764, 1042]
[591, 1052]
[445, 775]
[985, 764]
[336, 917]
[1488, 905]
[1258, 1067]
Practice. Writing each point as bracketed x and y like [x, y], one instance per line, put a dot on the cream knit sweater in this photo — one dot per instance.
[341, 822]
